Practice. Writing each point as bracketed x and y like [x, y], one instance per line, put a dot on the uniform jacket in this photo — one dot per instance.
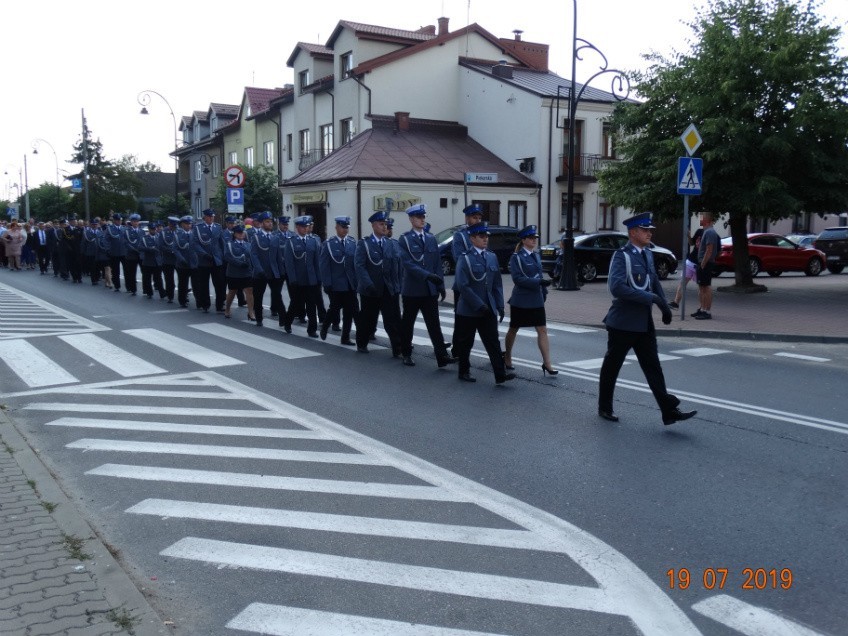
[237, 257]
[479, 283]
[338, 269]
[420, 260]
[184, 252]
[526, 271]
[132, 242]
[300, 256]
[165, 241]
[461, 243]
[90, 242]
[52, 239]
[114, 241]
[377, 268]
[631, 306]
[266, 254]
[208, 243]
[148, 252]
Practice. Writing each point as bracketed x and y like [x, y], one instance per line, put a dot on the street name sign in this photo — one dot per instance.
[481, 177]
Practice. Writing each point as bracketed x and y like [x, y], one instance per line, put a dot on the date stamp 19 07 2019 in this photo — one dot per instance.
[717, 578]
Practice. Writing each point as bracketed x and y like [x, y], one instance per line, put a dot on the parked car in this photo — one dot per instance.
[803, 240]
[593, 253]
[502, 241]
[833, 241]
[774, 254]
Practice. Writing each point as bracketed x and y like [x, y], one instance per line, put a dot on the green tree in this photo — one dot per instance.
[261, 192]
[165, 206]
[767, 89]
[111, 186]
[48, 202]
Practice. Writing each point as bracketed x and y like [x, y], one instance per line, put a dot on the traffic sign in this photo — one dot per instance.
[691, 139]
[235, 200]
[76, 185]
[690, 175]
[234, 176]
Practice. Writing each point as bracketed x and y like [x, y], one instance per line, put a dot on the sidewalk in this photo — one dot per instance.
[56, 576]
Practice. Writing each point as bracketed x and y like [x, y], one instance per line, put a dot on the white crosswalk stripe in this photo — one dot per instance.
[32, 366]
[276, 347]
[120, 361]
[798, 356]
[23, 316]
[195, 429]
[186, 349]
[699, 352]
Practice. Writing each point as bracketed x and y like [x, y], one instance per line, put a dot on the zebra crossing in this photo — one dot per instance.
[25, 316]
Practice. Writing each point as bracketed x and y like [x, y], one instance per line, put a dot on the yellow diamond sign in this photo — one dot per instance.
[691, 139]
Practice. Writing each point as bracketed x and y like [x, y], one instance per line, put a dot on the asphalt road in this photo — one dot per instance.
[289, 484]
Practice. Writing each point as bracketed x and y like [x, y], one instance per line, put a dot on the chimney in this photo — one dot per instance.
[501, 69]
[402, 121]
[443, 26]
[517, 33]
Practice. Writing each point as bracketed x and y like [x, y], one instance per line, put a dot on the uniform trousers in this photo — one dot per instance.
[72, 264]
[43, 256]
[115, 266]
[183, 282]
[644, 345]
[54, 260]
[302, 296]
[219, 283]
[130, 272]
[465, 328]
[370, 307]
[260, 283]
[151, 278]
[168, 280]
[92, 268]
[429, 308]
[200, 284]
[343, 306]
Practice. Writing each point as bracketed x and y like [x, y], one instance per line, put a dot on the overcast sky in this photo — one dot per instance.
[98, 55]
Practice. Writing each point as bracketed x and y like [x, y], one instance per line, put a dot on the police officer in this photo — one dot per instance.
[481, 302]
[185, 259]
[90, 247]
[461, 243]
[208, 244]
[103, 260]
[227, 235]
[266, 254]
[151, 262]
[239, 270]
[53, 238]
[132, 239]
[283, 227]
[422, 286]
[300, 255]
[635, 288]
[70, 251]
[166, 242]
[378, 264]
[284, 234]
[338, 275]
[116, 249]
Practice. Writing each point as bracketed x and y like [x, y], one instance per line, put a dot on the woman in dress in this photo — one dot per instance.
[239, 271]
[527, 302]
[14, 240]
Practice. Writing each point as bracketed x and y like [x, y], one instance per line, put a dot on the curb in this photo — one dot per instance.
[116, 585]
[731, 335]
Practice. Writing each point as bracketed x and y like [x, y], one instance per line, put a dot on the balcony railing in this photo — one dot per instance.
[309, 159]
[586, 166]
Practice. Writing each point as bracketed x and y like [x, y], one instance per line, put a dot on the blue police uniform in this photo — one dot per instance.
[266, 253]
[300, 255]
[151, 264]
[239, 264]
[90, 248]
[166, 242]
[185, 257]
[338, 276]
[116, 248]
[635, 288]
[208, 244]
[132, 240]
[481, 301]
[526, 271]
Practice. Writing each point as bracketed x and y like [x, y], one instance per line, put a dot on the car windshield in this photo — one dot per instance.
[834, 234]
[444, 235]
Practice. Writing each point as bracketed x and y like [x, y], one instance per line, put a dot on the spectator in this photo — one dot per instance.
[690, 268]
[14, 241]
[708, 250]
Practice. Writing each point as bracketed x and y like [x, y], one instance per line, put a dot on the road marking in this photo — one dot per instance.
[32, 366]
[111, 356]
[698, 352]
[182, 395]
[183, 348]
[571, 328]
[274, 482]
[192, 429]
[148, 410]
[749, 619]
[279, 620]
[275, 347]
[594, 363]
[663, 357]
[798, 356]
[15, 303]
[204, 450]
[324, 522]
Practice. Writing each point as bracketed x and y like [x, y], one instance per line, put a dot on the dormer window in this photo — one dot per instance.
[303, 79]
[345, 65]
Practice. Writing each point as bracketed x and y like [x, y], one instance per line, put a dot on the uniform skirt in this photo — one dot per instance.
[239, 283]
[524, 317]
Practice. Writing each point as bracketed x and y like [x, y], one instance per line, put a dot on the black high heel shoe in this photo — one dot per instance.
[506, 366]
[546, 370]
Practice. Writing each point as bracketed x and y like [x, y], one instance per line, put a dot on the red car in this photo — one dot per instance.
[774, 254]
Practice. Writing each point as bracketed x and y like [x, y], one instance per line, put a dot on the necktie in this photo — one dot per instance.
[645, 258]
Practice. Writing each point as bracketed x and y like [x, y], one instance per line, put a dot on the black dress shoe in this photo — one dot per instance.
[312, 334]
[396, 353]
[324, 330]
[348, 342]
[443, 362]
[362, 349]
[467, 377]
[336, 328]
[287, 327]
[608, 415]
[258, 323]
[677, 416]
[408, 361]
[506, 378]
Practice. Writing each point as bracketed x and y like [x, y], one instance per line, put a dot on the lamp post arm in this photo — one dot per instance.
[144, 99]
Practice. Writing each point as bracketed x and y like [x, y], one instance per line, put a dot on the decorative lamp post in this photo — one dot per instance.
[620, 89]
[144, 99]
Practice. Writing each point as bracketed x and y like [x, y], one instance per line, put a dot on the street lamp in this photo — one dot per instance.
[620, 88]
[35, 144]
[144, 99]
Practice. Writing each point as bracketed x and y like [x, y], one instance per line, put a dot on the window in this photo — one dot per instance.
[305, 146]
[303, 80]
[347, 130]
[607, 216]
[289, 147]
[608, 151]
[197, 208]
[233, 158]
[578, 147]
[577, 223]
[268, 151]
[345, 64]
[326, 139]
[198, 171]
[216, 166]
[248, 157]
[517, 213]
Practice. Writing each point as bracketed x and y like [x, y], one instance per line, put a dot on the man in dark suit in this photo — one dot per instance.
[635, 288]
[42, 248]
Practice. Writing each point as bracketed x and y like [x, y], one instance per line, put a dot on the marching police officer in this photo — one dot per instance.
[635, 288]
[227, 235]
[239, 270]
[185, 259]
[422, 286]
[266, 254]
[302, 268]
[103, 258]
[378, 264]
[165, 241]
[461, 243]
[132, 240]
[481, 302]
[338, 275]
[151, 262]
[208, 244]
[90, 247]
[116, 248]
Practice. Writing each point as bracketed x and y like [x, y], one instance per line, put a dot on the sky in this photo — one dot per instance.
[98, 55]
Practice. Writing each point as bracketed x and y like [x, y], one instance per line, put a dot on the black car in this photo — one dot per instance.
[833, 241]
[593, 253]
[502, 241]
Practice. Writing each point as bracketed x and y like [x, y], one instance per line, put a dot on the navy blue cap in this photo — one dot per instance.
[94, 222]
[63, 220]
[639, 220]
[530, 230]
[344, 221]
[378, 216]
[474, 208]
[303, 220]
[116, 217]
[173, 220]
[254, 215]
[417, 210]
[153, 225]
[230, 219]
[263, 216]
[238, 229]
[479, 228]
[208, 212]
[390, 221]
[283, 220]
[188, 218]
[135, 217]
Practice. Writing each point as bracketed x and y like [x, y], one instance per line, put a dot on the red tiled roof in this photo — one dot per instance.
[260, 98]
[364, 30]
[315, 50]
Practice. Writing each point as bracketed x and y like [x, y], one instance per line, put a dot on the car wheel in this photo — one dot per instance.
[835, 269]
[775, 273]
[588, 272]
[754, 265]
[447, 267]
[662, 267]
[814, 267]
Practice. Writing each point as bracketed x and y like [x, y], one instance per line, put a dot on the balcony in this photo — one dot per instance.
[585, 166]
[309, 159]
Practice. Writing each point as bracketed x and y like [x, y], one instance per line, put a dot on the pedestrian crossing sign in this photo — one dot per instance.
[690, 172]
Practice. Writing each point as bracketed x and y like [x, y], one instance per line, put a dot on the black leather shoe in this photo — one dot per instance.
[506, 378]
[467, 377]
[311, 334]
[443, 362]
[677, 416]
[362, 349]
[396, 353]
[348, 342]
[336, 328]
[324, 330]
[408, 361]
[287, 327]
[608, 415]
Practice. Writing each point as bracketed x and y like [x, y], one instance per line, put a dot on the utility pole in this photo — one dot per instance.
[85, 166]
[26, 188]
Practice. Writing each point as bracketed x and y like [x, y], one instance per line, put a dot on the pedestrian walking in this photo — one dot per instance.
[690, 268]
[166, 243]
[239, 271]
[266, 253]
[42, 248]
[186, 259]
[150, 260]
[14, 240]
[461, 243]
[132, 239]
[708, 251]
[300, 256]
[635, 288]
[208, 244]
[90, 248]
[338, 276]
[116, 248]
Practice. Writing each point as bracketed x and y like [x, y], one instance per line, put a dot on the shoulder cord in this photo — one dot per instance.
[629, 269]
[330, 251]
[165, 237]
[129, 240]
[255, 238]
[471, 271]
[200, 238]
[230, 248]
[177, 241]
[409, 249]
[90, 240]
[368, 252]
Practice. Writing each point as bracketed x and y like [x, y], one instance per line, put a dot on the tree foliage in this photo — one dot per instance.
[111, 185]
[48, 202]
[767, 89]
[261, 192]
